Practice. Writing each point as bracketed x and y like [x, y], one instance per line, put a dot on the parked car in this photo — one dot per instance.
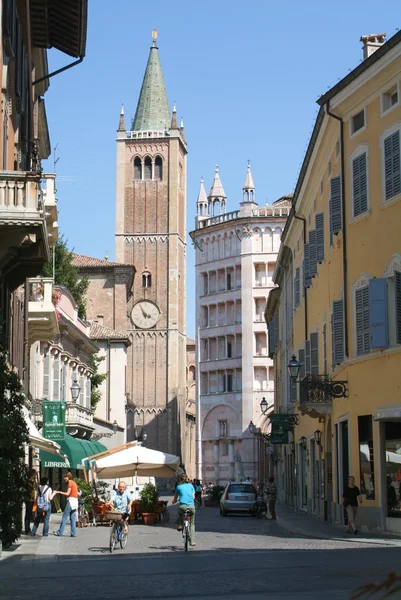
[237, 497]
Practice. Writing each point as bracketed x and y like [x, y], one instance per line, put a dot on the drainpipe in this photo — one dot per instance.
[77, 62]
[306, 289]
[345, 266]
[30, 99]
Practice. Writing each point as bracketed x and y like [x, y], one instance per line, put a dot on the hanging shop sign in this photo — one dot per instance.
[54, 420]
[279, 429]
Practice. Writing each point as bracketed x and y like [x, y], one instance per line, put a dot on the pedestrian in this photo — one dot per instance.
[43, 507]
[350, 503]
[198, 491]
[71, 506]
[271, 493]
[33, 486]
[185, 495]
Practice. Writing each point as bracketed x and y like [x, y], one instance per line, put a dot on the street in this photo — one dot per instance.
[236, 557]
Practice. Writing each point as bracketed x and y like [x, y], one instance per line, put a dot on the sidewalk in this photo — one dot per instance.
[300, 523]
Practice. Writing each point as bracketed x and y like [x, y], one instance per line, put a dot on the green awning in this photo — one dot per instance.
[75, 449]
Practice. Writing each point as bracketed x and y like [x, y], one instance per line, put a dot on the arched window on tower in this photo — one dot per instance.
[146, 279]
[137, 168]
[148, 168]
[158, 168]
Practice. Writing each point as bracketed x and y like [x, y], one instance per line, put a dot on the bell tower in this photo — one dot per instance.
[150, 234]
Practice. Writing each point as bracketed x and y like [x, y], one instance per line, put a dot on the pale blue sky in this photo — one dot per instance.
[245, 76]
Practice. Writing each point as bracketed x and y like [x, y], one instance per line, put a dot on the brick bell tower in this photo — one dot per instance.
[150, 234]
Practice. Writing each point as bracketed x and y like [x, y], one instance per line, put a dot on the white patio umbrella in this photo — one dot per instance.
[135, 460]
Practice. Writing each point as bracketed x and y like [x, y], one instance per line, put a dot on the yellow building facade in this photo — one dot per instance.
[337, 307]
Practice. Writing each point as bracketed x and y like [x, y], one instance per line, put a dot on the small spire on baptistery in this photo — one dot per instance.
[121, 125]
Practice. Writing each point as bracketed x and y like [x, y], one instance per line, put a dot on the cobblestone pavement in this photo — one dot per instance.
[236, 557]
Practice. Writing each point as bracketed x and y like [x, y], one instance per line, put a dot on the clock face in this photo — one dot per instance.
[145, 314]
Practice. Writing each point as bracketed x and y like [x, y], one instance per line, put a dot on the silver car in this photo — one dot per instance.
[237, 497]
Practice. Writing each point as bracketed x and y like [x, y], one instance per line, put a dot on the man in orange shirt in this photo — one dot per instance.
[71, 506]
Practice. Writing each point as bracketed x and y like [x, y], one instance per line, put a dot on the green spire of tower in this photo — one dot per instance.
[152, 112]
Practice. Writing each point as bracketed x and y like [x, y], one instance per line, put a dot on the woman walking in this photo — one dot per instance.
[350, 503]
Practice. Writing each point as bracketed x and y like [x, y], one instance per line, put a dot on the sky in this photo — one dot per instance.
[245, 77]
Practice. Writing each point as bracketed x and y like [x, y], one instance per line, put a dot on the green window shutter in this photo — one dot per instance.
[360, 187]
[314, 353]
[397, 287]
[307, 358]
[312, 253]
[46, 376]
[56, 379]
[335, 205]
[307, 277]
[297, 299]
[320, 237]
[378, 316]
[337, 333]
[302, 364]
[392, 166]
[362, 321]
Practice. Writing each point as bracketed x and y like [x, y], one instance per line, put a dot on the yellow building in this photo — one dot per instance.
[338, 304]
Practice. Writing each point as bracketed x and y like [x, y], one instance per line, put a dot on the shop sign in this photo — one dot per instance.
[279, 431]
[54, 420]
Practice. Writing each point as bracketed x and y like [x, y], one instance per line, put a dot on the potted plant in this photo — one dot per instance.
[149, 498]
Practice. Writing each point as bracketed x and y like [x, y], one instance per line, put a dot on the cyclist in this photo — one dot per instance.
[120, 500]
[185, 495]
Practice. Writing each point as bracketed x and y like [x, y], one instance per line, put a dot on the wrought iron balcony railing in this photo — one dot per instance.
[320, 389]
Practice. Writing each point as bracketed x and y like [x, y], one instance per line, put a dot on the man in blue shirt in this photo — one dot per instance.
[121, 500]
[185, 494]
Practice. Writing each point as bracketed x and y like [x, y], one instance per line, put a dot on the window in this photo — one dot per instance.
[312, 253]
[314, 353]
[335, 207]
[362, 320]
[229, 350]
[390, 98]
[229, 281]
[230, 387]
[357, 122]
[158, 168]
[46, 376]
[337, 333]
[297, 298]
[82, 391]
[319, 222]
[392, 165]
[359, 185]
[137, 168]
[148, 168]
[146, 280]
[56, 379]
[307, 281]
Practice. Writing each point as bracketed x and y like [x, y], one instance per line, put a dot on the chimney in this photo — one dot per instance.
[371, 43]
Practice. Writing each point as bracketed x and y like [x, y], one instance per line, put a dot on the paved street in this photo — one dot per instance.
[236, 557]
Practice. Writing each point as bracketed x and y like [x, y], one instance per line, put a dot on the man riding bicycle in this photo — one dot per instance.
[120, 500]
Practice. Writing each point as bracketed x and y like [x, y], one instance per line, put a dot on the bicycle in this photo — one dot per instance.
[83, 515]
[117, 533]
[186, 529]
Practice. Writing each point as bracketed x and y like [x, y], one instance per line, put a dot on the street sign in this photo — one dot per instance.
[54, 420]
[279, 432]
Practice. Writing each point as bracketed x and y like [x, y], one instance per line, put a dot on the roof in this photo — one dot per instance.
[152, 112]
[98, 332]
[249, 185]
[80, 260]
[202, 198]
[190, 341]
[217, 190]
[60, 24]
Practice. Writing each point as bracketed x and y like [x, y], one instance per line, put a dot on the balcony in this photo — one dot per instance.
[25, 223]
[79, 418]
[259, 318]
[42, 313]
[317, 393]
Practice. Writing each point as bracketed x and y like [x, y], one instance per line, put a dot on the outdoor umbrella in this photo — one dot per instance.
[134, 459]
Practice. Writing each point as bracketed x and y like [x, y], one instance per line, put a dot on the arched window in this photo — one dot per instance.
[146, 280]
[137, 168]
[158, 168]
[148, 168]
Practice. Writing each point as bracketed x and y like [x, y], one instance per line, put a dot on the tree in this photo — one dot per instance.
[14, 480]
[96, 379]
[66, 274]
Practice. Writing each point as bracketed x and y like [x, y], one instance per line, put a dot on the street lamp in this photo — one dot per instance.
[294, 368]
[264, 406]
[98, 436]
[303, 441]
[318, 437]
[75, 390]
[251, 427]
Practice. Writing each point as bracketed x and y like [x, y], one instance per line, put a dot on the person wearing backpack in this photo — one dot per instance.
[43, 507]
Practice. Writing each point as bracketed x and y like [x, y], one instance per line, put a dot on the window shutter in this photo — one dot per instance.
[307, 277]
[303, 278]
[362, 321]
[88, 393]
[307, 358]
[312, 253]
[392, 167]
[46, 376]
[360, 188]
[320, 237]
[397, 287]
[314, 353]
[337, 333]
[56, 379]
[63, 383]
[378, 317]
[297, 299]
[82, 391]
[302, 363]
[335, 205]
[330, 231]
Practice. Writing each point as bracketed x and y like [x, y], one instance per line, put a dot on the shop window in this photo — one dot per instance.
[366, 462]
[393, 468]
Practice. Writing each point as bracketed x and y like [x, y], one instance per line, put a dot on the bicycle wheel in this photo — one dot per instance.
[113, 537]
[186, 537]
[123, 539]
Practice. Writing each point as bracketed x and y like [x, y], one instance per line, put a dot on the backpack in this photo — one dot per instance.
[41, 501]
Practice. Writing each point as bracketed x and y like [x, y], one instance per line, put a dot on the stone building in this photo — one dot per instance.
[189, 442]
[235, 259]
